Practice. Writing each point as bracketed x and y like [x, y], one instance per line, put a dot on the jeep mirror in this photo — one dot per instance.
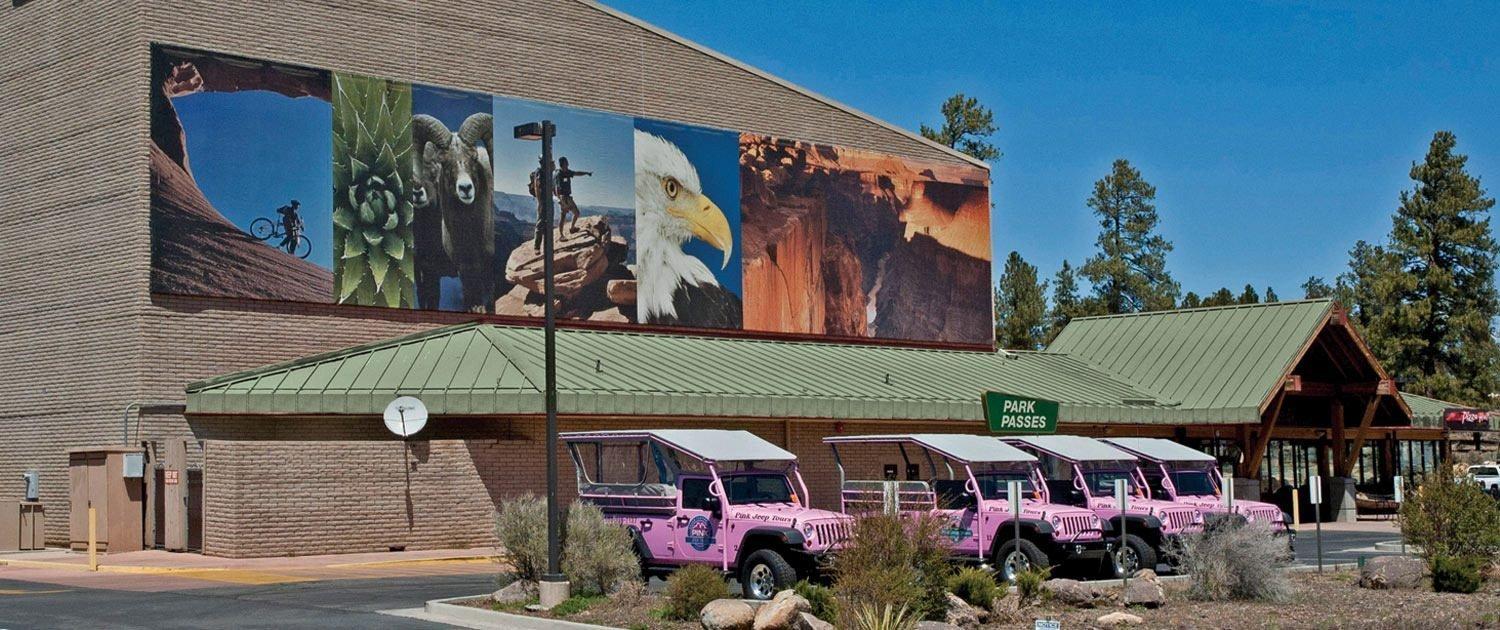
[711, 504]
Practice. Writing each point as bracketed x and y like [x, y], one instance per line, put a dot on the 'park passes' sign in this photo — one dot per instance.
[1017, 414]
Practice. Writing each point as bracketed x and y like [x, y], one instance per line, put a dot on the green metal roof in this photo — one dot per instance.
[1223, 362]
[1428, 412]
[481, 369]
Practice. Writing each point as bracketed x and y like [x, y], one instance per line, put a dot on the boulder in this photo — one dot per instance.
[808, 622]
[1144, 590]
[621, 292]
[515, 592]
[1074, 593]
[579, 259]
[727, 614]
[962, 614]
[1119, 619]
[783, 613]
[1388, 572]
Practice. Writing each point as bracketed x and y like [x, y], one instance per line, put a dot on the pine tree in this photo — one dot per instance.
[1129, 272]
[967, 125]
[1222, 297]
[1020, 306]
[1065, 301]
[1429, 296]
[1316, 288]
[1271, 295]
[1190, 300]
[1248, 296]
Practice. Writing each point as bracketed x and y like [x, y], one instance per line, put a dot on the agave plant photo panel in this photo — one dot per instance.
[372, 206]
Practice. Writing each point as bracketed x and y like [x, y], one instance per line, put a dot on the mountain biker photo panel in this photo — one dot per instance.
[240, 178]
[593, 205]
[454, 230]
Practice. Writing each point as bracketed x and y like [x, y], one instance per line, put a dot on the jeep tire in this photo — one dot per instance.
[1133, 551]
[1015, 556]
[765, 573]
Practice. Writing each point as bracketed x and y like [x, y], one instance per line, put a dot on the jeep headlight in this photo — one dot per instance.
[807, 530]
[1056, 520]
[1197, 518]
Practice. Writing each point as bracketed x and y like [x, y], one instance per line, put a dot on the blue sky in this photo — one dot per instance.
[716, 155]
[253, 151]
[597, 142]
[1276, 133]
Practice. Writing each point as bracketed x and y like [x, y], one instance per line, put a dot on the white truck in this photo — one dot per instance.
[1487, 474]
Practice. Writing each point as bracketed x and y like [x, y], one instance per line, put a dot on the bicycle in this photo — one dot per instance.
[265, 229]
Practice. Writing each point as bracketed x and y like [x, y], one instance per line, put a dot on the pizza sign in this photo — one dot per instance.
[1466, 419]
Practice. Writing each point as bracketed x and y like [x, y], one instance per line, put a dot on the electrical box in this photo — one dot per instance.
[32, 481]
[135, 465]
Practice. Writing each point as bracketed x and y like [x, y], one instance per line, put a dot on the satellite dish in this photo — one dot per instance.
[405, 416]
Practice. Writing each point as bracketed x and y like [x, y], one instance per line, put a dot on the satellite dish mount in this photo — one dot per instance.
[405, 416]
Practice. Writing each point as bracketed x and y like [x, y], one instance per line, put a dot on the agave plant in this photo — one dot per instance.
[372, 211]
[887, 617]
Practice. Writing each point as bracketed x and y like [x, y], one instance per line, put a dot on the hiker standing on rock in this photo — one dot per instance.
[565, 201]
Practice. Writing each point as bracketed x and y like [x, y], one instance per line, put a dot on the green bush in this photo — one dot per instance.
[1450, 516]
[1029, 584]
[1456, 575]
[893, 562]
[521, 526]
[975, 586]
[691, 588]
[821, 598]
[598, 555]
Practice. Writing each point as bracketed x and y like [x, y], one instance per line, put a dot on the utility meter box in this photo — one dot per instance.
[32, 482]
[135, 465]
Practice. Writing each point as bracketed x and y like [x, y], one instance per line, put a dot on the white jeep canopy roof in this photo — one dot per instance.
[713, 445]
[1074, 447]
[957, 447]
[1160, 449]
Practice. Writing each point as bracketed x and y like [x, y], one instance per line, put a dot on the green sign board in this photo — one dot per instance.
[1018, 414]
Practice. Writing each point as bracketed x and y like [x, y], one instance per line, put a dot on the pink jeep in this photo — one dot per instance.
[1081, 471]
[973, 499]
[1177, 473]
[707, 496]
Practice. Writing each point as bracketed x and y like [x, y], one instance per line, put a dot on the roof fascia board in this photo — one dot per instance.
[656, 30]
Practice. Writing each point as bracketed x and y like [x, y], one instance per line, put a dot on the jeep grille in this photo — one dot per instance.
[1077, 526]
[1177, 520]
[831, 532]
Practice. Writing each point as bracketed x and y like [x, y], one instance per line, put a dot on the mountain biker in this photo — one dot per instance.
[291, 225]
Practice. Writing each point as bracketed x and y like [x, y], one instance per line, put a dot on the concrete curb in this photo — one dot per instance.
[471, 617]
[437, 560]
[108, 568]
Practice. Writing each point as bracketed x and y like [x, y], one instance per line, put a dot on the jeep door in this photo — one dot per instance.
[696, 534]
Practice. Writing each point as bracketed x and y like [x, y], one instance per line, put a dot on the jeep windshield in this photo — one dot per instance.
[1193, 482]
[994, 486]
[1101, 483]
[758, 488]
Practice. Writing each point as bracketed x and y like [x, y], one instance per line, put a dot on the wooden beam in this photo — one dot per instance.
[1263, 438]
[1352, 457]
[1336, 419]
[1382, 387]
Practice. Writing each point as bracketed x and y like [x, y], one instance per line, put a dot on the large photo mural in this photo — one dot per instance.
[277, 182]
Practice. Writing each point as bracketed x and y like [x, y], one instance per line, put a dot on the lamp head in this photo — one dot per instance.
[529, 131]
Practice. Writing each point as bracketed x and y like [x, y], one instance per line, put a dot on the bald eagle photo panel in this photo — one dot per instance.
[687, 192]
[659, 223]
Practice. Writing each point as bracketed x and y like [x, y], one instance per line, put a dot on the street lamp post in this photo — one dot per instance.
[553, 589]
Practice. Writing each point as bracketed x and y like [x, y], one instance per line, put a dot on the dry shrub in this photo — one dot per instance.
[598, 555]
[521, 526]
[691, 588]
[1236, 563]
[891, 563]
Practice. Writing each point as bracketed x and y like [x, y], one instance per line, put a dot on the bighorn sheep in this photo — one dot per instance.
[431, 262]
[456, 173]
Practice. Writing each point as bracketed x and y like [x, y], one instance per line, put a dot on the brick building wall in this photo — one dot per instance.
[278, 486]
[81, 332]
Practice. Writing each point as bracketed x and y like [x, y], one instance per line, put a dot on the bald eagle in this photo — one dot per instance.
[674, 287]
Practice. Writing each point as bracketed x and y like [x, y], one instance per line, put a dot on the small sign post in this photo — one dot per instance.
[1399, 493]
[1013, 492]
[1019, 414]
[1229, 496]
[1122, 494]
[1315, 494]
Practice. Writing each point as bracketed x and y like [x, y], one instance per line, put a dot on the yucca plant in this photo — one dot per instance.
[372, 212]
[887, 617]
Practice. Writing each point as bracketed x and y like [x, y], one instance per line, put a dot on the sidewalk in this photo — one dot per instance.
[164, 570]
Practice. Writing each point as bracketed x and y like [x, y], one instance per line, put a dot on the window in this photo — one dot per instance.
[995, 486]
[1193, 482]
[1484, 471]
[1102, 482]
[758, 489]
[695, 492]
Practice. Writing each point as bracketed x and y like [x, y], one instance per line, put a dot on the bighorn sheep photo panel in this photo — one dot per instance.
[273, 181]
